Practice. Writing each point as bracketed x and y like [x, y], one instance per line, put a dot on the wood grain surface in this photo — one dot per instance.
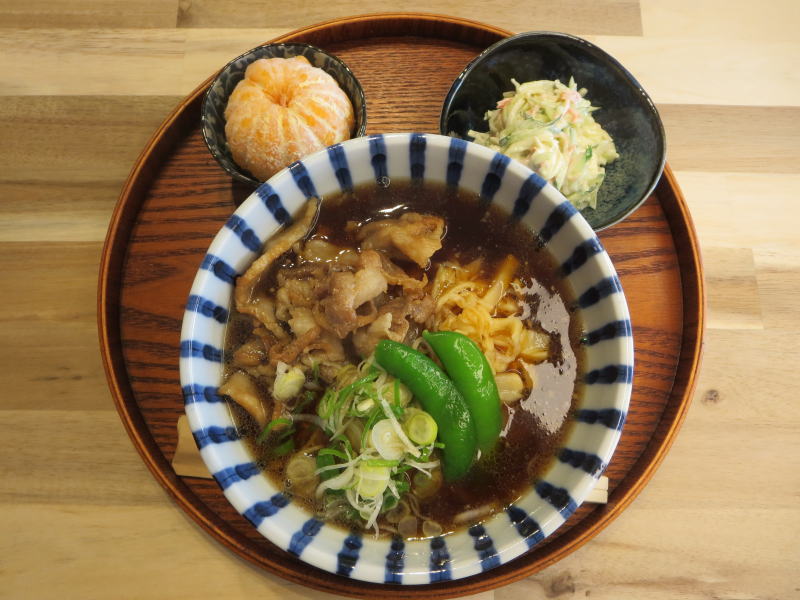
[82, 87]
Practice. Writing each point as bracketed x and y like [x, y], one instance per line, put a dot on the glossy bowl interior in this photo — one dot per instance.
[591, 438]
[626, 111]
[216, 98]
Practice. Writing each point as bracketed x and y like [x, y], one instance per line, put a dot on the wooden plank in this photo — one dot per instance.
[47, 449]
[722, 20]
[49, 330]
[34, 290]
[57, 211]
[610, 17]
[733, 290]
[739, 389]
[700, 70]
[87, 13]
[81, 140]
[53, 362]
[778, 279]
[743, 209]
[711, 138]
[89, 62]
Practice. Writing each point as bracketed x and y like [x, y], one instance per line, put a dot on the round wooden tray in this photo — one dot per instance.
[176, 199]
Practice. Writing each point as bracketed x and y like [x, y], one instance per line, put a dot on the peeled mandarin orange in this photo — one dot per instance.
[282, 110]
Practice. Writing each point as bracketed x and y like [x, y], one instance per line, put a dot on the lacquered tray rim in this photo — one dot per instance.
[112, 260]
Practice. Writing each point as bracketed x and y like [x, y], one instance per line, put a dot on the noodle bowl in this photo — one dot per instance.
[595, 419]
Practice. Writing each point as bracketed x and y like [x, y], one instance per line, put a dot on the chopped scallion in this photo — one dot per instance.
[284, 448]
[381, 462]
[270, 426]
[334, 452]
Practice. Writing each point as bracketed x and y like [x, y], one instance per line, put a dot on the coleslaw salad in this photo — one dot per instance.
[549, 127]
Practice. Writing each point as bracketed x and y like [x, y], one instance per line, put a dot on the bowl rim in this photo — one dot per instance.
[618, 66]
[241, 174]
[608, 436]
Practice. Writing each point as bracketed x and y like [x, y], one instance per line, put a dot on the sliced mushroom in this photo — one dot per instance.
[251, 353]
[246, 301]
[243, 390]
[431, 528]
[407, 526]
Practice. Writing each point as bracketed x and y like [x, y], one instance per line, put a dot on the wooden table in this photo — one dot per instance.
[84, 83]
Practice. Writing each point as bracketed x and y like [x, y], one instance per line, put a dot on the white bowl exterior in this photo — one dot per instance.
[589, 444]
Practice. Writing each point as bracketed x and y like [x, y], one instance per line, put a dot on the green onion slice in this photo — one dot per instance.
[270, 426]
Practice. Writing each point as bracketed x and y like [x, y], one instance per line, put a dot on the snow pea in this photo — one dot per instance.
[439, 397]
[472, 375]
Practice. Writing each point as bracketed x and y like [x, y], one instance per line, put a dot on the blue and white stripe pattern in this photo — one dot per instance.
[598, 420]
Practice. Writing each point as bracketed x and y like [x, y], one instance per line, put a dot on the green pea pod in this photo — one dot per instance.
[473, 377]
[440, 399]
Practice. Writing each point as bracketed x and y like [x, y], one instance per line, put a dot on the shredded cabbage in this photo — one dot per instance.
[549, 127]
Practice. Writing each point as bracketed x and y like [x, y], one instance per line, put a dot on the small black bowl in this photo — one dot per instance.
[216, 98]
[626, 111]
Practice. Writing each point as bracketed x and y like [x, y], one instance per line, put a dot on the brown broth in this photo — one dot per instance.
[533, 427]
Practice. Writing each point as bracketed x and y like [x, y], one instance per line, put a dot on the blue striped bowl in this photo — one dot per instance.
[589, 443]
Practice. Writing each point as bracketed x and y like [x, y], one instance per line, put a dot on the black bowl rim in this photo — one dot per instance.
[243, 175]
[560, 36]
